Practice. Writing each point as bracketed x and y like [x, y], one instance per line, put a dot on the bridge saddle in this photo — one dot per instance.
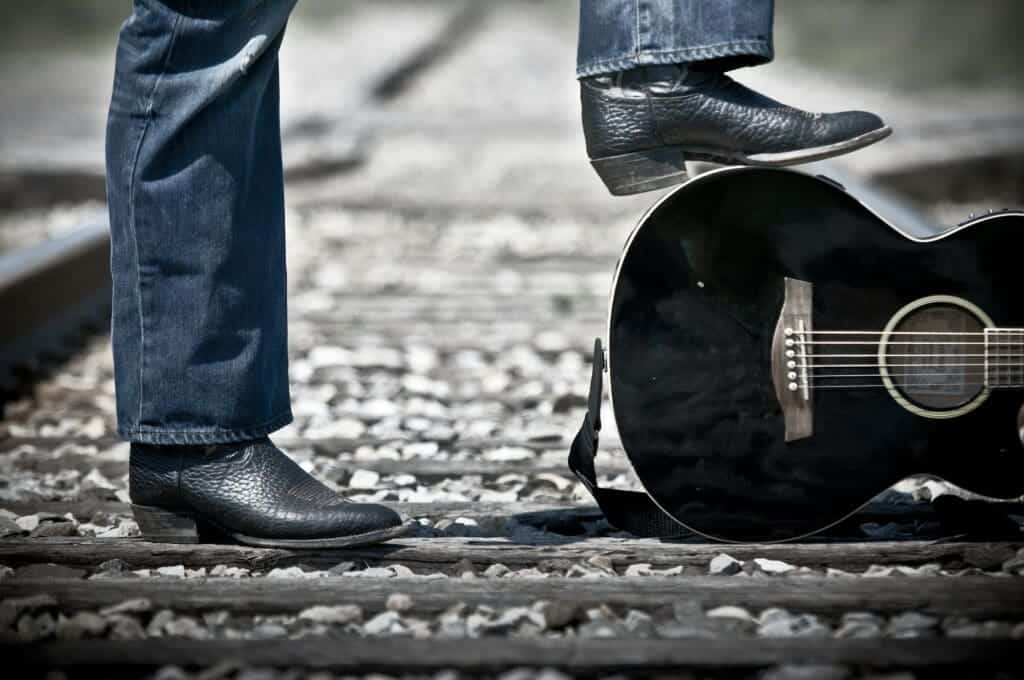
[791, 359]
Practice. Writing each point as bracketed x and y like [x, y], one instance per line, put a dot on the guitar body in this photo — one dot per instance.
[697, 343]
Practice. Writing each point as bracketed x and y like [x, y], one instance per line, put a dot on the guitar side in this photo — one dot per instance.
[695, 314]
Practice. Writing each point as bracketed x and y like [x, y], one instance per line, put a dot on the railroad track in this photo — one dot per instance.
[442, 314]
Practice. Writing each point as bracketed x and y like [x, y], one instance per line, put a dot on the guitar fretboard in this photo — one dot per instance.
[1004, 357]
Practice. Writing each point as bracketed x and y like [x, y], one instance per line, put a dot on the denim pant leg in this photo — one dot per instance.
[618, 35]
[196, 198]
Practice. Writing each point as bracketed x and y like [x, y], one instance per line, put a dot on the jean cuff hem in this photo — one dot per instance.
[155, 435]
[750, 52]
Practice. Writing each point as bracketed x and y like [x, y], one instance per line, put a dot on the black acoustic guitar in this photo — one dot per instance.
[779, 353]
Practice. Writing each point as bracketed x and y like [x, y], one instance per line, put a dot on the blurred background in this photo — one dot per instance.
[472, 106]
[929, 65]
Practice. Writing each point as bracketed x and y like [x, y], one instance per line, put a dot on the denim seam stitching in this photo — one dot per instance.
[209, 430]
[633, 60]
[131, 207]
[745, 42]
[636, 42]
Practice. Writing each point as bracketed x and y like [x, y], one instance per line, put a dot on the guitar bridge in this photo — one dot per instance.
[791, 359]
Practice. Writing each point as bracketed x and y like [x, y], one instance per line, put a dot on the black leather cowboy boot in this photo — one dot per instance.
[250, 492]
[642, 125]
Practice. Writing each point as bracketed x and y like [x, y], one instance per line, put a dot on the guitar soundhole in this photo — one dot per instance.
[934, 356]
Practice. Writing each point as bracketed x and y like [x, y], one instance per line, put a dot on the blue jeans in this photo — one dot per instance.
[196, 196]
[618, 35]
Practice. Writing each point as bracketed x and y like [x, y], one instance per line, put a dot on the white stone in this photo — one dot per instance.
[329, 356]
[332, 614]
[731, 612]
[176, 571]
[384, 623]
[724, 564]
[399, 602]
[364, 479]
[28, 522]
[289, 572]
[773, 566]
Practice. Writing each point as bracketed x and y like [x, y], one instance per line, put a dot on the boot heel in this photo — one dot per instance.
[633, 173]
[164, 526]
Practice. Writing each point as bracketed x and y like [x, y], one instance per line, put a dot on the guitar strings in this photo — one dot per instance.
[1000, 364]
[956, 343]
[991, 332]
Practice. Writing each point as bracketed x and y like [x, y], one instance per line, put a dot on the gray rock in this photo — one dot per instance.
[725, 565]
[773, 566]
[336, 614]
[399, 602]
[370, 572]
[28, 522]
[269, 631]
[385, 623]
[779, 623]
[521, 620]
[602, 562]
[216, 618]
[860, 625]
[580, 571]
[291, 572]
[171, 673]
[139, 605]
[156, 625]
[911, 624]
[186, 627]
[733, 624]
[1015, 565]
[805, 672]
[11, 609]
[688, 611]
[55, 529]
[962, 628]
[341, 568]
[81, 625]
[225, 571]
[259, 674]
[174, 571]
[364, 479]
[9, 527]
[639, 623]
[601, 629]
[36, 627]
[112, 568]
[676, 630]
[561, 613]
[125, 628]
[648, 570]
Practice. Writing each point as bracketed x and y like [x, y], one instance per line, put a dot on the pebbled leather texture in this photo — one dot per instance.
[251, 488]
[704, 112]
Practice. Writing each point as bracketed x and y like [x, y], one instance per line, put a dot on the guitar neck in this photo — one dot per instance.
[1004, 357]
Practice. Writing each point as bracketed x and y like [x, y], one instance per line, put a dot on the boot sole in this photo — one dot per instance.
[165, 526]
[640, 171]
